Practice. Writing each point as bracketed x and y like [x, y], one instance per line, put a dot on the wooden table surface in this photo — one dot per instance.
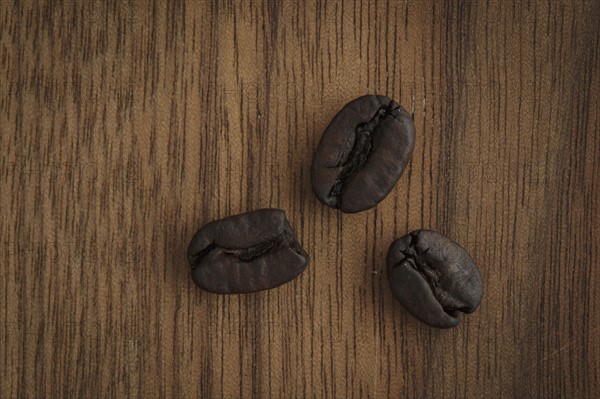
[127, 125]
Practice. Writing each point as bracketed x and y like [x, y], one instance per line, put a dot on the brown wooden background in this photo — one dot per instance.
[125, 126]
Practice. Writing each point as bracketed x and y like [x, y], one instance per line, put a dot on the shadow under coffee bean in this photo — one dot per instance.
[362, 153]
[244, 253]
[433, 277]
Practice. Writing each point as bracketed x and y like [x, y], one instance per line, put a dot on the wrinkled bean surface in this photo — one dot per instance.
[433, 277]
[362, 153]
[244, 253]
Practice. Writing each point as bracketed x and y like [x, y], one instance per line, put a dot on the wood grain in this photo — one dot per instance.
[125, 126]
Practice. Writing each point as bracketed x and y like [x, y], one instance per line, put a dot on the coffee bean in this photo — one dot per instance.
[244, 253]
[433, 278]
[362, 153]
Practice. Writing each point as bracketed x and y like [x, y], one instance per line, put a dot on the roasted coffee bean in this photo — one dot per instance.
[433, 278]
[362, 153]
[250, 252]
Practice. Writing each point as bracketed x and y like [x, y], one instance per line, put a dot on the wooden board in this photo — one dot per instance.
[125, 126]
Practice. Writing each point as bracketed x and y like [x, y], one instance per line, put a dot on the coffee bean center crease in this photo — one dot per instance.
[354, 159]
[283, 240]
[413, 258]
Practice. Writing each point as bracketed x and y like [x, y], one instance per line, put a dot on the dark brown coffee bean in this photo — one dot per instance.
[433, 278]
[362, 153]
[250, 252]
